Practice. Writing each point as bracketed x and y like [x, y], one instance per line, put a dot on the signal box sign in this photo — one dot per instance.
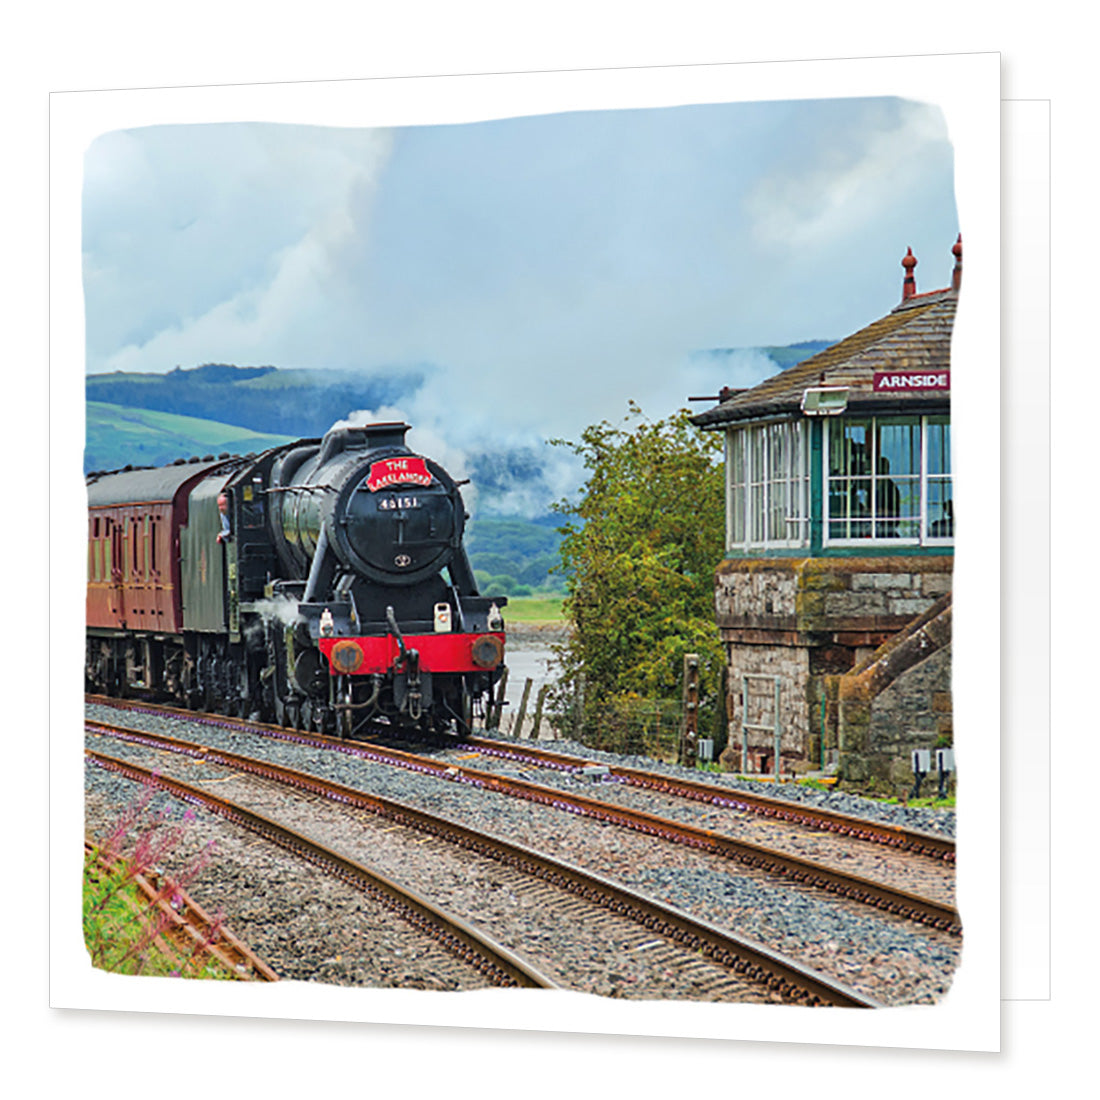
[898, 381]
[406, 470]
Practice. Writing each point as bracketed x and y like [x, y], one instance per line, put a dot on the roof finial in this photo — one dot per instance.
[957, 274]
[909, 283]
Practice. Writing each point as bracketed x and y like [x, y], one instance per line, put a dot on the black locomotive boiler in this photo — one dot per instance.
[321, 584]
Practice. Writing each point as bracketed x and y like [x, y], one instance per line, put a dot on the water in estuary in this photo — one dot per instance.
[532, 659]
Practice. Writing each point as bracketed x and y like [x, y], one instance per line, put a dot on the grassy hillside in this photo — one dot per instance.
[119, 436]
[534, 609]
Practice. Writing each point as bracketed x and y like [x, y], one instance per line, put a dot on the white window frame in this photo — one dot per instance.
[923, 537]
[793, 482]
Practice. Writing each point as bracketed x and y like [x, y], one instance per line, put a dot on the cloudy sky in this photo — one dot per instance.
[548, 268]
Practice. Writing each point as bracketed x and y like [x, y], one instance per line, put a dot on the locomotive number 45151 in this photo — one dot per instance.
[390, 504]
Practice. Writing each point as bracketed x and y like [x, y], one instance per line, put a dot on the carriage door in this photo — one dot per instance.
[115, 597]
[119, 570]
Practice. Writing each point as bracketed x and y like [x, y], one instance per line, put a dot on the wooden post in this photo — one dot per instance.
[691, 709]
[517, 730]
[578, 725]
[538, 711]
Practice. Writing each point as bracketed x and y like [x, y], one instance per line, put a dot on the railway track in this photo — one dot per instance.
[498, 964]
[899, 902]
[723, 962]
[831, 821]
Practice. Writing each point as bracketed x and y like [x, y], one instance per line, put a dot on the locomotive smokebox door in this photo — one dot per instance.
[400, 535]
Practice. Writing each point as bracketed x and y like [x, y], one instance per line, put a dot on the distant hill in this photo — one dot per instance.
[792, 354]
[787, 355]
[119, 436]
[294, 403]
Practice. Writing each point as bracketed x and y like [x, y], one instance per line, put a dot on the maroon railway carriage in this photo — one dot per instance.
[323, 583]
[134, 608]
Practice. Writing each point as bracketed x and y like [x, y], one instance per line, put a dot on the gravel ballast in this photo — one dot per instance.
[888, 958]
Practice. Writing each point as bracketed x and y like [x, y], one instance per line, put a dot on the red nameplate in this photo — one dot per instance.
[407, 470]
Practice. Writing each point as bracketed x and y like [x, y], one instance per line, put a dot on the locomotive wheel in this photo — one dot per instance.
[305, 716]
[280, 711]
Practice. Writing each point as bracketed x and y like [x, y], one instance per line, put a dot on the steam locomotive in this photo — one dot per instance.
[321, 584]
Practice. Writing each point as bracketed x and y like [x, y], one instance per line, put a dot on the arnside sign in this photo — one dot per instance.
[892, 381]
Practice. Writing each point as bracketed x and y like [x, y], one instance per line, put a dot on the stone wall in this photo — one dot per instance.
[893, 595]
[912, 713]
[791, 664]
[812, 621]
[897, 701]
[763, 597]
[810, 596]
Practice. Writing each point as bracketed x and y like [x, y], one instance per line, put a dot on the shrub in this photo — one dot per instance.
[123, 928]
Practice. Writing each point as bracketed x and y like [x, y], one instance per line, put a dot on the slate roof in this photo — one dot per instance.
[913, 336]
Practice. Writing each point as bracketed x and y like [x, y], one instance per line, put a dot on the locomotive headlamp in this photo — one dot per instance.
[346, 657]
[487, 651]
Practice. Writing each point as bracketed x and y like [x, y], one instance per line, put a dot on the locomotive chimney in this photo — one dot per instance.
[388, 434]
[368, 436]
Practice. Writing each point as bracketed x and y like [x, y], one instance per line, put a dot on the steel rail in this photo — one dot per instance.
[186, 920]
[917, 841]
[789, 977]
[895, 836]
[843, 884]
[499, 964]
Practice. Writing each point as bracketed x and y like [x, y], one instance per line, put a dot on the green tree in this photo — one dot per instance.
[639, 551]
